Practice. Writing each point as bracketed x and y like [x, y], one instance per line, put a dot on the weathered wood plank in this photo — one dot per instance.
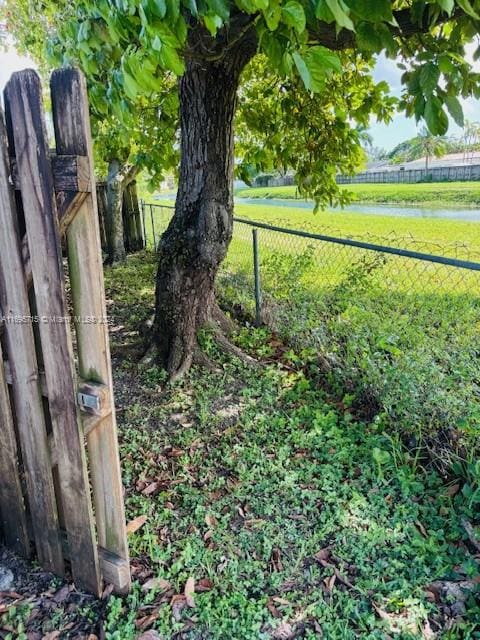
[23, 93]
[27, 399]
[69, 103]
[115, 570]
[70, 173]
[13, 516]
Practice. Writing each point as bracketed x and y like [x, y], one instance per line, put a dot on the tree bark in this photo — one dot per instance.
[119, 177]
[200, 231]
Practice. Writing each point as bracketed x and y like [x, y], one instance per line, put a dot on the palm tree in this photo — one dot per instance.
[428, 145]
[471, 134]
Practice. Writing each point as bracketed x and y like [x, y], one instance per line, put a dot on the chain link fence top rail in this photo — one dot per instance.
[318, 262]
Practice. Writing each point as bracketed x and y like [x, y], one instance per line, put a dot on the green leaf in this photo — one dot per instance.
[322, 61]
[314, 65]
[323, 13]
[368, 38]
[467, 7]
[372, 10]
[447, 5]
[455, 109]
[213, 23]
[380, 456]
[340, 12]
[435, 117]
[303, 70]
[429, 76]
[272, 48]
[158, 7]
[273, 16]
[293, 15]
[170, 59]
[262, 5]
[130, 86]
[445, 64]
[219, 7]
[419, 107]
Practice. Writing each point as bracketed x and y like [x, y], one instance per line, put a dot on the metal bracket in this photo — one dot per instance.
[94, 399]
[88, 402]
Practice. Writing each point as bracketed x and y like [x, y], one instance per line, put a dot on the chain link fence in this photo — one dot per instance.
[395, 321]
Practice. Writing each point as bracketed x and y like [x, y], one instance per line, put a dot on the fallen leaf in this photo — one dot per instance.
[323, 556]
[136, 523]
[273, 609]
[210, 521]
[172, 452]
[421, 528]
[189, 591]
[284, 631]
[150, 635]
[151, 489]
[178, 603]
[156, 583]
[205, 584]
[62, 594]
[283, 601]
[452, 490]
[146, 621]
[330, 582]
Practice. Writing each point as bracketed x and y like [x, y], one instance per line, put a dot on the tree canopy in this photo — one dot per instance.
[301, 73]
[316, 63]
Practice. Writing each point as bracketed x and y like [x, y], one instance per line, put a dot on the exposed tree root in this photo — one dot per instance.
[201, 359]
[221, 325]
[228, 347]
[219, 317]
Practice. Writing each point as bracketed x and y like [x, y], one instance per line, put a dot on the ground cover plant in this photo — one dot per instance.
[442, 194]
[262, 506]
[399, 337]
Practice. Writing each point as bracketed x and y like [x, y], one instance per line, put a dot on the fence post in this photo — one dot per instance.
[256, 270]
[144, 230]
[153, 229]
[72, 131]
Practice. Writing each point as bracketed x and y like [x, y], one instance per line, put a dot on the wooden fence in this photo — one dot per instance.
[59, 498]
[133, 227]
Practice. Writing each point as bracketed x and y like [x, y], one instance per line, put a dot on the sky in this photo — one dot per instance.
[385, 136]
[402, 128]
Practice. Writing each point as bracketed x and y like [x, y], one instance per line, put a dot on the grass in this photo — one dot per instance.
[437, 235]
[291, 515]
[442, 194]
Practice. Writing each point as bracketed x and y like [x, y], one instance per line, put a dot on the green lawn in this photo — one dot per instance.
[273, 506]
[432, 194]
[436, 231]
[435, 234]
[291, 514]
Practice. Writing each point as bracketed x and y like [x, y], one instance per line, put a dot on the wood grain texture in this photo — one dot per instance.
[13, 516]
[70, 173]
[23, 94]
[69, 103]
[27, 398]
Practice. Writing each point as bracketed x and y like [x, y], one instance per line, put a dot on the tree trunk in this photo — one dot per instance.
[200, 231]
[114, 221]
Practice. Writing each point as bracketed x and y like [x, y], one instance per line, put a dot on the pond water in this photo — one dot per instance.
[469, 214]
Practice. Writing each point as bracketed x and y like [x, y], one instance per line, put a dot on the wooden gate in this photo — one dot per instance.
[57, 497]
